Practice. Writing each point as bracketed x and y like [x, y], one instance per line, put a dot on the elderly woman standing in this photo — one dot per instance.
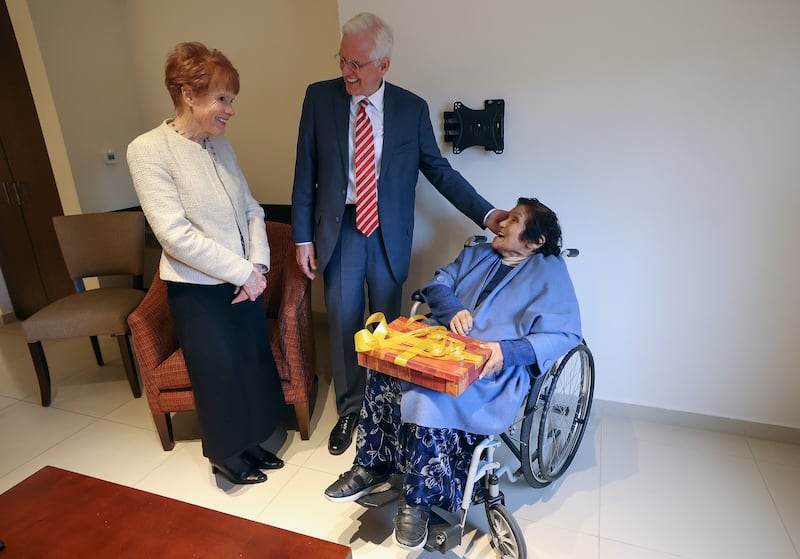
[517, 297]
[215, 252]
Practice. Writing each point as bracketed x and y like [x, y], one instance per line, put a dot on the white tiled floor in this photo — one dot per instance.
[637, 490]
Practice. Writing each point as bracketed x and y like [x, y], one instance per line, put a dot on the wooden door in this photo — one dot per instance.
[30, 258]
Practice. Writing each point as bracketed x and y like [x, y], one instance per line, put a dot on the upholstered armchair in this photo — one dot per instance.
[287, 304]
[93, 245]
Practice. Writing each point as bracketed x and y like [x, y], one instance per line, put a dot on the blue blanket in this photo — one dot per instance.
[535, 301]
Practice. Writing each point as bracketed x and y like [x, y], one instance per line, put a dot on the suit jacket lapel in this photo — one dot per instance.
[341, 116]
[389, 127]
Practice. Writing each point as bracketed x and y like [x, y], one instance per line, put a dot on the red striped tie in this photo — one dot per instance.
[366, 181]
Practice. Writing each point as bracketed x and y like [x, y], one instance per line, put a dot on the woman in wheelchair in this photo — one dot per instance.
[516, 296]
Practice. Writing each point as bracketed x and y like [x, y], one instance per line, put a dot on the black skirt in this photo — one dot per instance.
[236, 386]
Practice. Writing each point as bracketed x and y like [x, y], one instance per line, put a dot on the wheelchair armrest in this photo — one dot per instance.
[417, 301]
[537, 378]
[475, 240]
[534, 371]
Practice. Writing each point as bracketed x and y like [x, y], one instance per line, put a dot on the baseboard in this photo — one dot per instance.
[8, 318]
[779, 433]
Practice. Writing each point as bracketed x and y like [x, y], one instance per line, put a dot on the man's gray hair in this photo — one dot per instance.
[365, 21]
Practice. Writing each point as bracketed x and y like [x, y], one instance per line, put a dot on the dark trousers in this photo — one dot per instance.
[357, 261]
[236, 387]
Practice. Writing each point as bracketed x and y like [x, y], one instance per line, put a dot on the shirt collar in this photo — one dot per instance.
[376, 99]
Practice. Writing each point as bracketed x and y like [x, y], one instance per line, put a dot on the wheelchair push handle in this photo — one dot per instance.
[473, 240]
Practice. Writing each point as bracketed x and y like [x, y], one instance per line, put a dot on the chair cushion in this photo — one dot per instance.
[172, 373]
[88, 313]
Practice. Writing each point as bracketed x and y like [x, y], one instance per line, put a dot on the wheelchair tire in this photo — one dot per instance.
[553, 430]
[504, 533]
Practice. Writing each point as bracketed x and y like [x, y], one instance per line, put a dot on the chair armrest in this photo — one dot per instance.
[152, 329]
[296, 323]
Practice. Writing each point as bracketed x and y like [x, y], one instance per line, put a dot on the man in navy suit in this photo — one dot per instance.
[324, 198]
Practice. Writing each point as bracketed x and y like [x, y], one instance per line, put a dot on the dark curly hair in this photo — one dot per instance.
[542, 222]
[198, 67]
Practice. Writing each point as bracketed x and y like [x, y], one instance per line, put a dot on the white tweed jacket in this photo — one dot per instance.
[199, 206]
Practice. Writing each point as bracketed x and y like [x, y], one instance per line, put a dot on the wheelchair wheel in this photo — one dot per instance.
[506, 535]
[554, 429]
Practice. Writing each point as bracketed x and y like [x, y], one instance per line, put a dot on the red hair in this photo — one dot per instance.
[195, 66]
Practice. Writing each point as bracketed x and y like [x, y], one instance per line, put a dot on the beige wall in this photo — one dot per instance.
[96, 71]
[45, 105]
[105, 58]
[48, 118]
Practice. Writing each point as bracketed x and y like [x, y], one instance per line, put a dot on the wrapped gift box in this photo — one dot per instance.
[452, 376]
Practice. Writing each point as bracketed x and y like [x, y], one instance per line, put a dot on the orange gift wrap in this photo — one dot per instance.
[429, 356]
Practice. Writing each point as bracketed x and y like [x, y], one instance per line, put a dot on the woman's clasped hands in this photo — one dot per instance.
[252, 288]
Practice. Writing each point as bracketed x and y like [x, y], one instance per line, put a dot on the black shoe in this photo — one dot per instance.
[356, 483]
[262, 459]
[410, 526]
[239, 471]
[342, 433]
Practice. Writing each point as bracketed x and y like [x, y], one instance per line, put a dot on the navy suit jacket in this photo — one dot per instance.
[409, 146]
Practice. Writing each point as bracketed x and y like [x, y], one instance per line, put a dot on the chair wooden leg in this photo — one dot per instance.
[163, 423]
[98, 355]
[126, 351]
[301, 412]
[42, 371]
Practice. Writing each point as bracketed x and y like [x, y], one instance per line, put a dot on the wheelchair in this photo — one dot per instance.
[544, 438]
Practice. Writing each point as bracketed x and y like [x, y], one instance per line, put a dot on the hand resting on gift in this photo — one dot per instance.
[495, 361]
[461, 323]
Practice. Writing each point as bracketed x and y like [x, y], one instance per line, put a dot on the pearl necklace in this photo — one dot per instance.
[175, 128]
[183, 133]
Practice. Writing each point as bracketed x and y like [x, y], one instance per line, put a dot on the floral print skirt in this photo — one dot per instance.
[434, 461]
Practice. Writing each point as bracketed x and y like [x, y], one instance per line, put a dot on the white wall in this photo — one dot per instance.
[665, 135]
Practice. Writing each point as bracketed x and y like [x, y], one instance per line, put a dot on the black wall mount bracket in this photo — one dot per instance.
[466, 127]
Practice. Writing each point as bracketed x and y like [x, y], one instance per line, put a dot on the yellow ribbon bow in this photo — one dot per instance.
[428, 341]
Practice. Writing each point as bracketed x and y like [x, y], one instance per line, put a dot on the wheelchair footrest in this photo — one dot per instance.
[375, 500]
[391, 495]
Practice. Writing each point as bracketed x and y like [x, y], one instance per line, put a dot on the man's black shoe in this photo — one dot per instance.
[342, 433]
